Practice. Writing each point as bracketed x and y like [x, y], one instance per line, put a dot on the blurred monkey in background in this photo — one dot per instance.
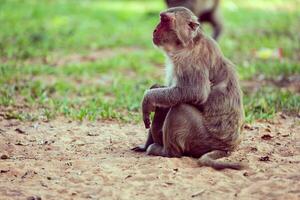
[207, 11]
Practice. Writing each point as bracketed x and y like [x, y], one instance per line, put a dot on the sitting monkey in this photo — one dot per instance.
[206, 10]
[200, 112]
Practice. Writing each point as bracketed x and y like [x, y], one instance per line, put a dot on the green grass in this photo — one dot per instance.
[35, 33]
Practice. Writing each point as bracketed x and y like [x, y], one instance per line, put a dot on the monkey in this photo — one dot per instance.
[200, 112]
[207, 11]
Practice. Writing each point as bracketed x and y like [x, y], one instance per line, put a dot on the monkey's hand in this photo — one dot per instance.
[147, 108]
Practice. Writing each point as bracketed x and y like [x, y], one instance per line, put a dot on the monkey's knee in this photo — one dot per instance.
[179, 109]
[183, 115]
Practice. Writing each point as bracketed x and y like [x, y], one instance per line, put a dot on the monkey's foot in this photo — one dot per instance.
[155, 150]
[140, 148]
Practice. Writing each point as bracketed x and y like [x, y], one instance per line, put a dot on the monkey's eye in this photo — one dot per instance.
[193, 25]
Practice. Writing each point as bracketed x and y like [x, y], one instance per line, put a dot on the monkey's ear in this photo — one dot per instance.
[194, 25]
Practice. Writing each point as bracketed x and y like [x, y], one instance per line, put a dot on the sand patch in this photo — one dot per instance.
[92, 160]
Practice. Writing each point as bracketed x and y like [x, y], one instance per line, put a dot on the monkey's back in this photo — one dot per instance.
[223, 110]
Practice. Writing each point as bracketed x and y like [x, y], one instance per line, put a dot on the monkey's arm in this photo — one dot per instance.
[196, 93]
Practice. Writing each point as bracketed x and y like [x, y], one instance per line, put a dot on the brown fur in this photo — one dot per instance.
[200, 112]
[207, 11]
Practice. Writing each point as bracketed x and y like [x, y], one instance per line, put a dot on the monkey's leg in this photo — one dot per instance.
[156, 126]
[155, 131]
[217, 25]
[176, 128]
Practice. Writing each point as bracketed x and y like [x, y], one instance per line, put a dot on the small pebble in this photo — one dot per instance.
[266, 137]
[34, 198]
[268, 130]
[4, 157]
[4, 171]
[265, 158]
[245, 174]
[20, 131]
[249, 127]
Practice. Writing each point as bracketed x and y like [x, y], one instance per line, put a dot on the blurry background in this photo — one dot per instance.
[93, 59]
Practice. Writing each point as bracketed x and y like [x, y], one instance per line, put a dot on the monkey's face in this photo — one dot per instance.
[164, 34]
[176, 29]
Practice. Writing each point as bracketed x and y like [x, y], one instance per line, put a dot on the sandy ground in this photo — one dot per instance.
[92, 160]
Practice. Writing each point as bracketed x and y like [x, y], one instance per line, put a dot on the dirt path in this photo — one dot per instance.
[91, 160]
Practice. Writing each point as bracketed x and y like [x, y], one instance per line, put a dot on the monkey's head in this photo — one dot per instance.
[176, 29]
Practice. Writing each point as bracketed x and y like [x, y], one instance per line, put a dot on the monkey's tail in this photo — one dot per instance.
[209, 159]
